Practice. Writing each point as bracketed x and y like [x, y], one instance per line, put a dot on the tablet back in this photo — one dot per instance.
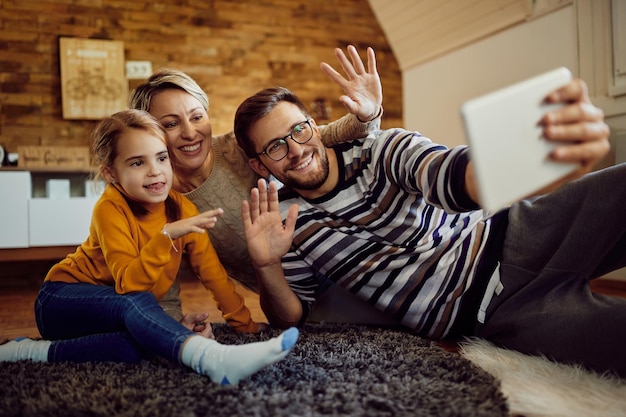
[506, 144]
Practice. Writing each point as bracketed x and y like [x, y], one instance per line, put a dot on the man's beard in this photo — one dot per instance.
[313, 182]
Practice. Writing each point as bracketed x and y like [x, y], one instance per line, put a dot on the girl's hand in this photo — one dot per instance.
[195, 224]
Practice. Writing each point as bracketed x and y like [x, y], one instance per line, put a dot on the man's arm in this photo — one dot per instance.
[279, 303]
[268, 241]
[363, 98]
[578, 122]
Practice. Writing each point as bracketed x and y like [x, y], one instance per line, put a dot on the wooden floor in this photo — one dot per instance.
[17, 295]
[17, 298]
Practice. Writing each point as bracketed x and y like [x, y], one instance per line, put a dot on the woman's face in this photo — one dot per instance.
[187, 125]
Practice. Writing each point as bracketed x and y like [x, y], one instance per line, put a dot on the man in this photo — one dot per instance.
[394, 218]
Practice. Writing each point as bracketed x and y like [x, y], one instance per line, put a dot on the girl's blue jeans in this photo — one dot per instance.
[87, 323]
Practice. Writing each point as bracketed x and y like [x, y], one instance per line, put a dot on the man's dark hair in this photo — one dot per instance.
[256, 107]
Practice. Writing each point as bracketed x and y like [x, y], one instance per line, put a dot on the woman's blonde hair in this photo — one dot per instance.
[163, 79]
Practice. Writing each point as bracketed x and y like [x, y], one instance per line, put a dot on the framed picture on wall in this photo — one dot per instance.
[93, 80]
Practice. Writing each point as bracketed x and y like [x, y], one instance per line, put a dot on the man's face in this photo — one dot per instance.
[305, 168]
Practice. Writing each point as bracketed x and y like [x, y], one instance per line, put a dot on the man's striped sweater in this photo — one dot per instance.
[398, 231]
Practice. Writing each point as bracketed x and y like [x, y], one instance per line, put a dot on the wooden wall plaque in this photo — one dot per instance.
[93, 80]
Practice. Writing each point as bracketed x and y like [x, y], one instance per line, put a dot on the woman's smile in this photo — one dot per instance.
[190, 148]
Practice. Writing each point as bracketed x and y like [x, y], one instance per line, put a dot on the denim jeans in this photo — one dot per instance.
[92, 323]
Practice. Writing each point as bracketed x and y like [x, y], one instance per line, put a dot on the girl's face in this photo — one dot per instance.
[187, 125]
[142, 167]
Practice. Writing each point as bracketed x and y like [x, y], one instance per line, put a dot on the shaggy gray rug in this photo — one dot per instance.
[334, 370]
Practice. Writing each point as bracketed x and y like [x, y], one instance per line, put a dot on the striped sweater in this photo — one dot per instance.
[398, 231]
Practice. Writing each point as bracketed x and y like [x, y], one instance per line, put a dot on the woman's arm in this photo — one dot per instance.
[207, 266]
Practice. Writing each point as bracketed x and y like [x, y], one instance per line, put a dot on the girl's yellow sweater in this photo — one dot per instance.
[131, 254]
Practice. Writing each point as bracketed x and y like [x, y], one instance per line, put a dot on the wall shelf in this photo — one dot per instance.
[36, 253]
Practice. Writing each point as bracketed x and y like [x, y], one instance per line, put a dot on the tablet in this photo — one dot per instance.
[506, 143]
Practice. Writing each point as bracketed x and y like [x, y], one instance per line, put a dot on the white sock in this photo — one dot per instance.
[25, 349]
[228, 364]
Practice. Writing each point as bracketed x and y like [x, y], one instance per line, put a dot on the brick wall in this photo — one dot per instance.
[232, 48]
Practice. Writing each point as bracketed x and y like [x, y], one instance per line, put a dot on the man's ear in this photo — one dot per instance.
[314, 125]
[258, 167]
[316, 129]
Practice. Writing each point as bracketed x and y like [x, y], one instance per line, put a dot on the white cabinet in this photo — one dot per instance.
[28, 219]
[59, 222]
[15, 191]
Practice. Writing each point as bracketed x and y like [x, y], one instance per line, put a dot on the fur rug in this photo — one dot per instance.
[537, 387]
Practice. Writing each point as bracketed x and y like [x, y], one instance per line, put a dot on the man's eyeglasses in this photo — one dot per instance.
[279, 148]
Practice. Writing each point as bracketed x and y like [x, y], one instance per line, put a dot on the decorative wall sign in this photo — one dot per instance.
[54, 157]
[93, 80]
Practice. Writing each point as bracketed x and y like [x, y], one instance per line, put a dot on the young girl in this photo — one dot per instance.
[100, 303]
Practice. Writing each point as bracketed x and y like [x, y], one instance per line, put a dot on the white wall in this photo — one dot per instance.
[434, 91]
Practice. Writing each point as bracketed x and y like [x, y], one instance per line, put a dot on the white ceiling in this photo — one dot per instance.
[421, 30]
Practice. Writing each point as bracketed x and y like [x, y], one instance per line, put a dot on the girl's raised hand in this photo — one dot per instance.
[195, 224]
